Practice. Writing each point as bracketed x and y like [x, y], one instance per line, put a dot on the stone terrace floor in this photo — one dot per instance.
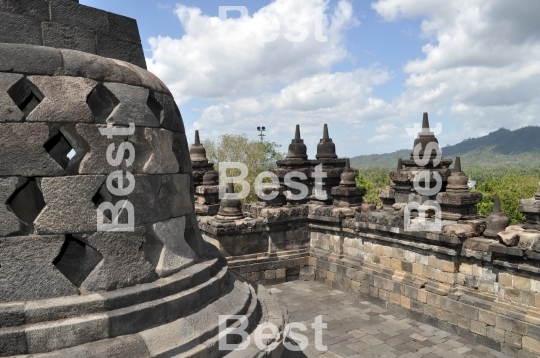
[358, 328]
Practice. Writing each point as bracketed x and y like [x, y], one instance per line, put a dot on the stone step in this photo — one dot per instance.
[61, 334]
[271, 312]
[76, 306]
[185, 335]
[210, 348]
[169, 339]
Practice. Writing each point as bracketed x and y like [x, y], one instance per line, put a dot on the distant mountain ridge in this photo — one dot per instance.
[502, 147]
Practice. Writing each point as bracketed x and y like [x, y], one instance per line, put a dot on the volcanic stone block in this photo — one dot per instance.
[23, 154]
[99, 68]
[193, 235]
[149, 80]
[9, 111]
[12, 342]
[69, 206]
[37, 60]
[12, 315]
[509, 238]
[124, 27]
[147, 205]
[30, 8]
[529, 240]
[19, 29]
[133, 106]
[458, 230]
[70, 37]
[529, 206]
[71, 13]
[120, 49]
[9, 223]
[122, 264]
[154, 151]
[169, 115]
[68, 333]
[176, 253]
[27, 272]
[181, 152]
[93, 144]
[175, 194]
[64, 99]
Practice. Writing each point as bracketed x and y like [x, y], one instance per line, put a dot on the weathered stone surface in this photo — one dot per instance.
[181, 152]
[122, 264]
[529, 240]
[175, 194]
[154, 148]
[121, 49]
[124, 27]
[9, 223]
[147, 205]
[64, 99]
[12, 343]
[30, 59]
[133, 106]
[68, 333]
[87, 139]
[149, 80]
[27, 271]
[478, 244]
[29, 8]
[169, 116]
[193, 235]
[459, 199]
[19, 29]
[98, 68]
[529, 206]
[23, 154]
[368, 207]
[72, 13]
[69, 207]
[458, 230]
[12, 314]
[176, 253]
[69, 37]
[9, 111]
[478, 225]
[509, 238]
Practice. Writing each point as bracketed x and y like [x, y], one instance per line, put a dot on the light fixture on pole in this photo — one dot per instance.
[261, 130]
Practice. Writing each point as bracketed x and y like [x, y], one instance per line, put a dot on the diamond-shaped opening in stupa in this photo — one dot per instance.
[102, 102]
[77, 260]
[27, 202]
[60, 149]
[25, 95]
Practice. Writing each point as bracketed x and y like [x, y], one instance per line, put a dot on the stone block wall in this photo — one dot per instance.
[264, 252]
[468, 286]
[67, 24]
[443, 283]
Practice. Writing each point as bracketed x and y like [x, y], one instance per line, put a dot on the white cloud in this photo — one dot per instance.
[201, 64]
[482, 64]
[311, 101]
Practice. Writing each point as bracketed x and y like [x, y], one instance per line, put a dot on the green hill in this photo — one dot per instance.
[501, 148]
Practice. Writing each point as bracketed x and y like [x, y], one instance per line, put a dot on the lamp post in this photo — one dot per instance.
[261, 130]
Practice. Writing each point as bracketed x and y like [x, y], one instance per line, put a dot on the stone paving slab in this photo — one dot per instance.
[358, 328]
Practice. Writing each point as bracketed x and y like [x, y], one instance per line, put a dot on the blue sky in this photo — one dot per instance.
[385, 63]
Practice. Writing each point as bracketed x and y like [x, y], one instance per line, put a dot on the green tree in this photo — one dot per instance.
[511, 189]
[258, 156]
[373, 180]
